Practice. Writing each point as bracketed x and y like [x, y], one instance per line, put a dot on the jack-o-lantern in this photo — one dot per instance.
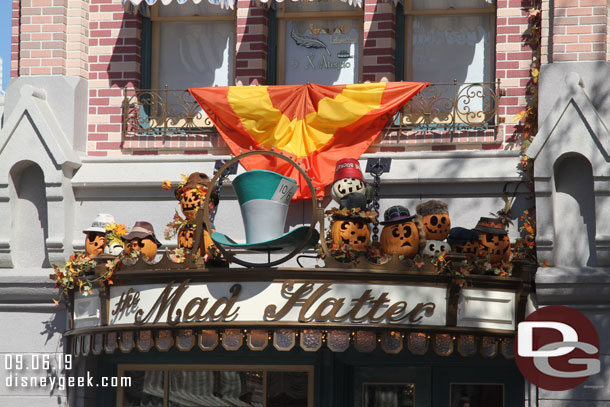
[193, 193]
[186, 239]
[464, 241]
[142, 239]
[351, 231]
[348, 179]
[401, 234]
[96, 242]
[435, 218]
[493, 240]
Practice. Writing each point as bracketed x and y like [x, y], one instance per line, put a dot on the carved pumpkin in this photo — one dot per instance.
[436, 226]
[186, 239]
[146, 246]
[400, 238]
[435, 218]
[496, 245]
[468, 249]
[352, 231]
[190, 202]
[95, 242]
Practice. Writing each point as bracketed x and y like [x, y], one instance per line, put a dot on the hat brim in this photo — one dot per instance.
[398, 220]
[140, 235]
[283, 244]
[492, 231]
[96, 230]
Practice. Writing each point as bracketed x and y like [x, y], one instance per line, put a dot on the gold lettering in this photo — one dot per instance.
[293, 299]
[366, 296]
[414, 315]
[311, 300]
[165, 301]
[335, 305]
[228, 304]
[376, 304]
[395, 311]
[198, 314]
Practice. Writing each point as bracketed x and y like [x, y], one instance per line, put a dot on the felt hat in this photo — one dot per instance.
[194, 180]
[396, 214]
[492, 226]
[99, 223]
[459, 235]
[348, 168]
[432, 207]
[264, 197]
[141, 230]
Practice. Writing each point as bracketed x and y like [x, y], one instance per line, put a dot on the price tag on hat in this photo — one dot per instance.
[284, 191]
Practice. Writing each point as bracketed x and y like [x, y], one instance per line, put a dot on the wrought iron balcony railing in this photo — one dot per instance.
[445, 108]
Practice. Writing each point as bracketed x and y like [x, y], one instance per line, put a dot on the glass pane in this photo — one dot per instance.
[196, 54]
[322, 51]
[146, 388]
[389, 395]
[304, 6]
[451, 4]
[215, 388]
[477, 395]
[451, 47]
[188, 9]
[287, 389]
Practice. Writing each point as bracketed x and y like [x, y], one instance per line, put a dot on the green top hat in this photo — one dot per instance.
[264, 197]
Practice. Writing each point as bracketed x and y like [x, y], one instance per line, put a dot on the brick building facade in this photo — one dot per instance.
[88, 128]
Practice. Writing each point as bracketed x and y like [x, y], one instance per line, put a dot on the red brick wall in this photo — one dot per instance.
[114, 63]
[251, 45]
[378, 45]
[513, 62]
[579, 30]
[15, 38]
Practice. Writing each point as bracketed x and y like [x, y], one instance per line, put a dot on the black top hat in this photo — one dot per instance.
[460, 235]
[395, 214]
[142, 230]
[492, 226]
[353, 201]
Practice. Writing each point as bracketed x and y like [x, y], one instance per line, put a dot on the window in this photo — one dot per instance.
[193, 45]
[188, 385]
[447, 40]
[319, 42]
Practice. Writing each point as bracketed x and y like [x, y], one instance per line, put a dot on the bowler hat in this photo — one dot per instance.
[492, 226]
[396, 214]
[459, 235]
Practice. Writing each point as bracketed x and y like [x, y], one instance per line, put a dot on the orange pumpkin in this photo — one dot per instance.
[400, 238]
[436, 226]
[186, 239]
[190, 201]
[95, 243]
[147, 247]
[496, 245]
[351, 231]
[468, 249]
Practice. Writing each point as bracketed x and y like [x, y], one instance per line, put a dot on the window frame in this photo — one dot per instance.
[409, 13]
[156, 21]
[283, 16]
[166, 368]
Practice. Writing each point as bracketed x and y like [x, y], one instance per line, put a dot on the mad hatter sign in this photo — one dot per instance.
[277, 302]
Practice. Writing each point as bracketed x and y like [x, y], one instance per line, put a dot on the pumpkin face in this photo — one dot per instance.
[434, 248]
[346, 186]
[186, 238]
[436, 226]
[497, 246]
[400, 238]
[354, 232]
[147, 247]
[469, 249]
[190, 202]
[95, 243]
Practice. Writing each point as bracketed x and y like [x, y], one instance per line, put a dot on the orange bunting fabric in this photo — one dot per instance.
[315, 125]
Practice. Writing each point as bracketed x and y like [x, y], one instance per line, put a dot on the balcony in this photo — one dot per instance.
[443, 114]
